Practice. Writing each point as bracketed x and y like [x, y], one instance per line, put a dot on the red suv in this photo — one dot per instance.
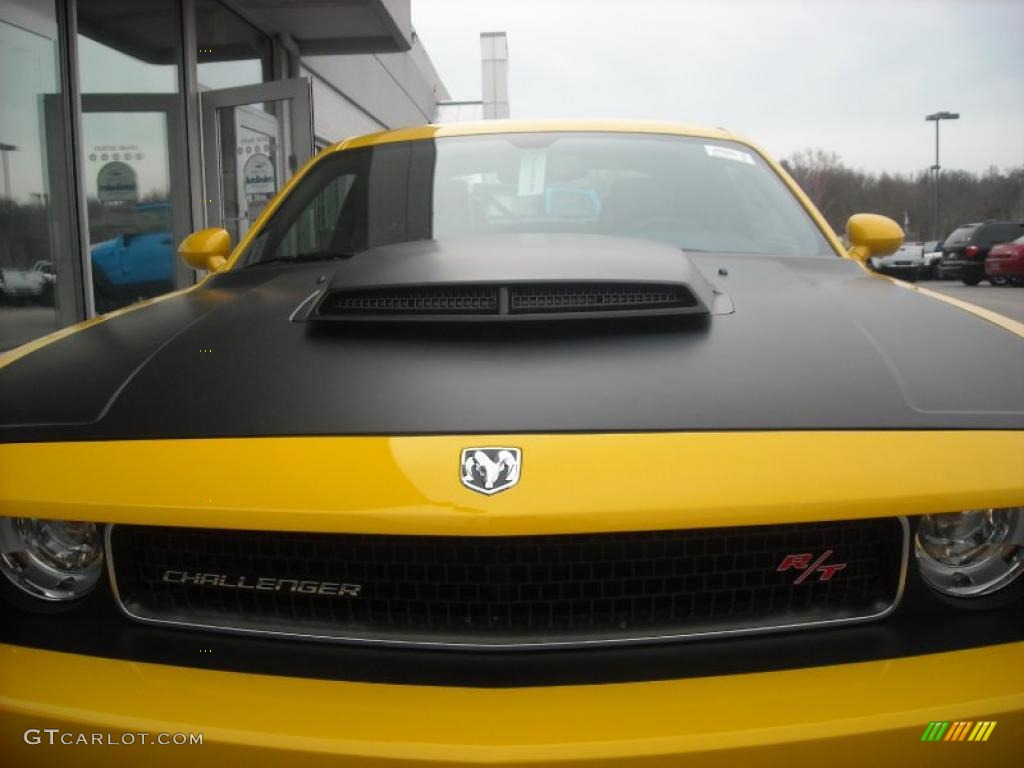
[1006, 261]
[964, 252]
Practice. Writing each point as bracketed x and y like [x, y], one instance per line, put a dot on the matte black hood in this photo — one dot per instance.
[814, 343]
[515, 258]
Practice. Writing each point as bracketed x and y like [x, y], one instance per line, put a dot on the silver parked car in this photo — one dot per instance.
[906, 263]
[932, 257]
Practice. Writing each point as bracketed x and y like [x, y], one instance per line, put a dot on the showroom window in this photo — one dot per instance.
[231, 51]
[37, 274]
[133, 142]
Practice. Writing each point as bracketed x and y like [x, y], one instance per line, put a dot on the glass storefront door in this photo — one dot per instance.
[255, 137]
[137, 209]
[97, 142]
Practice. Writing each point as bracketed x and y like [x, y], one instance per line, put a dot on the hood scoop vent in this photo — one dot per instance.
[598, 297]
[410, 302]
[509, 302]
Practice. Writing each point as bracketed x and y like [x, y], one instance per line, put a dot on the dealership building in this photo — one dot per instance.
[127, 125]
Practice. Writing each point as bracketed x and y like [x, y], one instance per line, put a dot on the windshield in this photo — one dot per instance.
[962, 235]
[696, 194]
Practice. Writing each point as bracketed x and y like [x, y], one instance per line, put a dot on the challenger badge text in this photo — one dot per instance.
[263, 583]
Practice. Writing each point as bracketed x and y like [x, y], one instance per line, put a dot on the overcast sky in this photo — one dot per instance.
[856, 78]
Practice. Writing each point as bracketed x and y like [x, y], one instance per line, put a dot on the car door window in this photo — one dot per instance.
[314, 228]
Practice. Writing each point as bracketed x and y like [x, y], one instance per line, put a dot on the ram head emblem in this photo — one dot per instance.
[490, 470]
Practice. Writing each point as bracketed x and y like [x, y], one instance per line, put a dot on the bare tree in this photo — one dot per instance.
[839, 192]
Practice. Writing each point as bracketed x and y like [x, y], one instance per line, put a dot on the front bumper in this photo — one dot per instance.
[1004, 267]
[898, 270]
[959, 269]
[852, 714]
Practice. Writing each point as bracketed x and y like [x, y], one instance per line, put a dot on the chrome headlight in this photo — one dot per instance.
[971, 553]
[55, 560]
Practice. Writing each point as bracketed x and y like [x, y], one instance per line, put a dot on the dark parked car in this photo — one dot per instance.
[1006, 262]
[964, 252]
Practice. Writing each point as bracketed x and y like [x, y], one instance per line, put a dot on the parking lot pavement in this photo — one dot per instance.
[1005, 300]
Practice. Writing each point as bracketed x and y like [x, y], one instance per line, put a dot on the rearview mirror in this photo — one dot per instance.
[872, 235]
[206, 249]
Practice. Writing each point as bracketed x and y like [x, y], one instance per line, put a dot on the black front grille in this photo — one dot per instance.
[597, 297]
[515, 590]
[413, 301]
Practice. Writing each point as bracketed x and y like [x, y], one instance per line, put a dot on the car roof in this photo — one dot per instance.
[484, 127]
[989, 222]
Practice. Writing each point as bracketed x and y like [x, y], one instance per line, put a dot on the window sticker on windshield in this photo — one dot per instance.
[532, 167]
[714, 150]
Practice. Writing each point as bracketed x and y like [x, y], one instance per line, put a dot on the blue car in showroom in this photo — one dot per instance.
[133, 265]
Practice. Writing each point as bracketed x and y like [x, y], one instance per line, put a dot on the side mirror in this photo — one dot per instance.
[872, 235]
[206, 249]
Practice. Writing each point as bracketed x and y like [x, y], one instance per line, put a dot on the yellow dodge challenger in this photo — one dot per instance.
[520, 444]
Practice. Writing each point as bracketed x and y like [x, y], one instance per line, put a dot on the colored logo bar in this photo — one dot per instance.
[961, 730]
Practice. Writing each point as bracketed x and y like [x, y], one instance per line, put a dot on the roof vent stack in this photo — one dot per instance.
[494, 72]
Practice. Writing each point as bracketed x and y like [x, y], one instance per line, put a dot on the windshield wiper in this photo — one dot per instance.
[297, 258]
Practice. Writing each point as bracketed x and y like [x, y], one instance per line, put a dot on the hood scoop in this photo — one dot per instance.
[509, 279]
[524, 301]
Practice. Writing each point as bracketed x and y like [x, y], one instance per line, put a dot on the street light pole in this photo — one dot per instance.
[938, 117]
[4, 149]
